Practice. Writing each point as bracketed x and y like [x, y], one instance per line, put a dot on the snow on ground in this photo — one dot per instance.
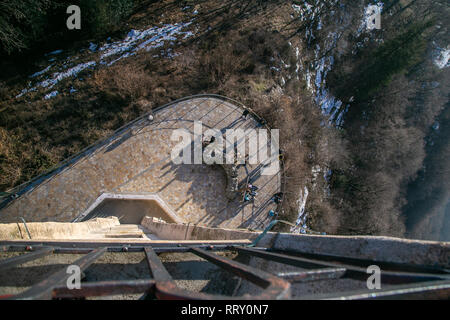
[315, 74]
[51, 95]
[107, 54]
[435, 126]
[34, 75]
[300, 224]
[441, 57]
[71, 72]
[147, 40]
[54, 52]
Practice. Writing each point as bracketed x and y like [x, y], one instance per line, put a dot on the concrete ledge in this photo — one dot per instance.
[90, 243]
[55, 230]
[417, 252]
[378, 248]
[173, 231]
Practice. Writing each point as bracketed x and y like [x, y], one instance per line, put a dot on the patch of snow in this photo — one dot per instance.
[441, 57]
[137, 40]
[435, 126]
[54, 52]
[72, 72]
[297, 8]
[25, 91]
[315, 73]
[275, 69]
[329, 105]
[319, 25]
[36, 74]
[170, 54]
[285, 65]
[125, 55]
[51, 95]
[188, 34]
[303, 197]
[111, 52]
[315, 173]
[92, 46]
[327, 175]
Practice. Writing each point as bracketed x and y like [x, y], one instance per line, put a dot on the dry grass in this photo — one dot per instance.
[132, 84]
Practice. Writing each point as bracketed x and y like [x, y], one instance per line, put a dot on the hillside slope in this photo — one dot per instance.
[357, 108]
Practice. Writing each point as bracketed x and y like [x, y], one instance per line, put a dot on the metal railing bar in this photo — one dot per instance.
[165, 287]
[276, 288]
[392, 266]
[157, 269]
[425, 290]
[104, 288]
[14, 261]
[59, 246]
[285, 259]
[43, 290]
[352, 271]
[313, 275]
[25, 225]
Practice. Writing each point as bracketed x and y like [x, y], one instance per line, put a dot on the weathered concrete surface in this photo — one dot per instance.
[126, 232]
[55, 230]
[430, 253]
[172, 231]
[136, 159]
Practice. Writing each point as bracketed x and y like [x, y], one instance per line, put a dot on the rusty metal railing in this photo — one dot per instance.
[405, 281]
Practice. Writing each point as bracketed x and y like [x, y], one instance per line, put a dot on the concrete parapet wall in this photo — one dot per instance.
[55, 230]
[429, 253]
[173, 231]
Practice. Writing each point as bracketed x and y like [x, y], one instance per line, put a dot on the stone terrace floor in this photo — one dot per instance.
[136, 159]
